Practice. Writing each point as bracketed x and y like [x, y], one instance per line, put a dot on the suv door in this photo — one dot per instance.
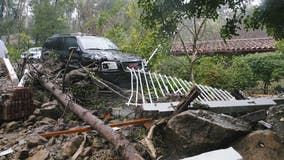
[71, 42]
[58, 48]
[47, 48]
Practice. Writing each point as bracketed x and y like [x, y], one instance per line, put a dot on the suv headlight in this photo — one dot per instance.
[107, 65]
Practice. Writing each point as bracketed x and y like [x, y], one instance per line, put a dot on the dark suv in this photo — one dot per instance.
[112, 63]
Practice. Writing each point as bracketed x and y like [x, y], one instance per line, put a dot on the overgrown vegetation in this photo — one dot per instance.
[236, 72]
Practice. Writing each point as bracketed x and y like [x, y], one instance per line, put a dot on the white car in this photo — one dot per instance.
[32, 53]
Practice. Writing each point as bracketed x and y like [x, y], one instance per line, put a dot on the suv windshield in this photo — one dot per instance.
[91, 42]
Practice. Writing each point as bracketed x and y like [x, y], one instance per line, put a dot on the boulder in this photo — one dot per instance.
[260, 145]
[196, 131]
[275, 117]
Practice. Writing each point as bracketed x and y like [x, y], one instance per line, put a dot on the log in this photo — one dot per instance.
[121, 144]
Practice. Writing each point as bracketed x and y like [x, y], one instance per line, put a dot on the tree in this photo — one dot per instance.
[168, 15]
[11, 16]
[119, 22]
[267, 68]
[49, 18]
[268, 15]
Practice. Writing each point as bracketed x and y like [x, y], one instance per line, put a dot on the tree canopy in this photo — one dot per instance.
[269, 15]
[167, 14]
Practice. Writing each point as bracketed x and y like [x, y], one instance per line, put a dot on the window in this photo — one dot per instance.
[58, 44]
[70, 42]
[48, 43]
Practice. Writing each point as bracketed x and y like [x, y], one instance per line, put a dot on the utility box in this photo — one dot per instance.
[15, 103]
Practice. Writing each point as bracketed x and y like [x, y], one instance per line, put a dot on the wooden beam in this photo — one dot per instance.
[12, 74]
[75, 130]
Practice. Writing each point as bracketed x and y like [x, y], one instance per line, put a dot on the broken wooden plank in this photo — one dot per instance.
[12, 74]
[87, 129]
[24, 78]
[122, 145]
[183, 105]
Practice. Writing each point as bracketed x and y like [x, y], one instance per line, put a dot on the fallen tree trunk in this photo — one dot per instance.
[122, 145]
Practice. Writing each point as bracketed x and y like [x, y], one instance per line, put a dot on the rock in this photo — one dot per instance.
[40, 155]
[12, 126]
[48, 104]
[275, 116]
[35, 140]
[47, 121]
[37, 111]
[196, 131]
[70, 147]
[50, 110]
[260, 145]
[31, 120]
[97, 143]
[23, 154]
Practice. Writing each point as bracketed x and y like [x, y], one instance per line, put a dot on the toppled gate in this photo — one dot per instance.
[151, 90]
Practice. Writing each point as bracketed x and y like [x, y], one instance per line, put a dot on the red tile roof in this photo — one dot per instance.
[234, 46]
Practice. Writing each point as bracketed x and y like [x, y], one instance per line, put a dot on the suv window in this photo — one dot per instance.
[70, 42]
[48, 44]
[58, 44]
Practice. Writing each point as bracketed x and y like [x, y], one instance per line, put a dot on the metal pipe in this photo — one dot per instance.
[164, 84]
[147, 85]
[153, 85]
[159, 84]
[131, 74]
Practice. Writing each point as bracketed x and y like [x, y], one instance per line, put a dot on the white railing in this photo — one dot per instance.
[148, 87]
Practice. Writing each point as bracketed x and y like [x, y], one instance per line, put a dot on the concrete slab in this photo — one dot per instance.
[222, 154]
[239, 106]
[161, 107]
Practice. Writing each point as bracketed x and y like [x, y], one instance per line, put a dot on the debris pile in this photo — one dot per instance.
[80, 116]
